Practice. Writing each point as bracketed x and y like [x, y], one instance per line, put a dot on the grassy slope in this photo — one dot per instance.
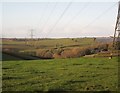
[78, 74]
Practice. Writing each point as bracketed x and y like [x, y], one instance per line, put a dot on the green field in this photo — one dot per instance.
[75, 74]
[53, 48]
[35, 65]
[47, 43]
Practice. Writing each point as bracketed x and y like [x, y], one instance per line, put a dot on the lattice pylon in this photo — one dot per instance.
[116, 39]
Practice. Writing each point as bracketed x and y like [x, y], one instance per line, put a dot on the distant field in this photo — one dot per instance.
[54, 48]
[48, 43]
[76, 74]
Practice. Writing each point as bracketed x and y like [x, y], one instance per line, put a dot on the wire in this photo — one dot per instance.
[98, 17]
[59, 18]
[48, 17]
[74, 17]
[44, 11]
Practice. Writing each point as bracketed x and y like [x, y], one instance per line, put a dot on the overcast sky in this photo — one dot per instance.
[58, 19]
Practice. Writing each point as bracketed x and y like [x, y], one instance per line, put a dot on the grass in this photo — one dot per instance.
[77, 74]
[33, 47]
[47, 43]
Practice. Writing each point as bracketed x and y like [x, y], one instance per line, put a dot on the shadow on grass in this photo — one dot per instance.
[10, 78]
[17, 57]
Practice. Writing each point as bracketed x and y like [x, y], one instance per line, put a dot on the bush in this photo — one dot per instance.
[56, 55]
[48, 55]
[75, 52]
[57, 51]
[71, 53]
[87, 52]
[44, 53]
[82, 51]
[67, 54]
[41, 52]
[78, 52]
[103, 47]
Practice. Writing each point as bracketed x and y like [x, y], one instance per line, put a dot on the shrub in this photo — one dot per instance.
[71, 53]
[87, 51]
[41, 52]
[44, 53]
[56, 55]
[78, 52]
[66, 54]
[75, 52]
[57, 51]
[81, 51]
[48, 55]
[103, 47]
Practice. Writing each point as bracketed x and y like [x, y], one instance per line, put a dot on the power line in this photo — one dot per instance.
[48, 17]
[41, 17]
[75, 16]
[98, 17]
[31, 33]
[59, 18]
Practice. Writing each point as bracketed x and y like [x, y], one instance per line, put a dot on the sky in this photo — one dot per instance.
[57, 19]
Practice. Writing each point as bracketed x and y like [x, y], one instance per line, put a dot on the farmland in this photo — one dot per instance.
[75, 74]
[60, 47]
[68, 64]
[54, 48]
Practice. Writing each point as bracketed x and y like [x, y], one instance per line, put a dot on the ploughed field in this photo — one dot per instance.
[73, 74]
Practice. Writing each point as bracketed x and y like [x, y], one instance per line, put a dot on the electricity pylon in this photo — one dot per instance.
[31, 43]
[31, 33]
[116, 39]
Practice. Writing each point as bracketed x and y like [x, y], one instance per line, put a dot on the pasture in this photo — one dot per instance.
[33, 45]
[25, 67]
[74, 74]
[53, 48]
